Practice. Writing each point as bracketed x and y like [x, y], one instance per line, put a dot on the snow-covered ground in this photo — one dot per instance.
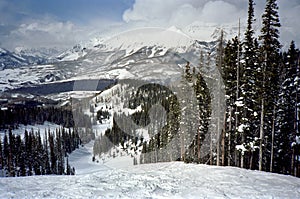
[42, 128]
[117, 178]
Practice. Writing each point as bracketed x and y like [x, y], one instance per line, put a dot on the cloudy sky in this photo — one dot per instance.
[63, 23]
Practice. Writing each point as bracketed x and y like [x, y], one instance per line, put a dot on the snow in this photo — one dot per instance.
[17, 77]
[132, 41]
[241, 148]
[2, 50]
[241, 128]
[239, 103]
[297, 139]
[117, 179]
[39, 127]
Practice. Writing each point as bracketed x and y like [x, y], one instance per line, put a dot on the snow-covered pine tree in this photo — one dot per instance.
[204, 103]
[270, 55]
[286, 145]
[249, 122]
[229, 75]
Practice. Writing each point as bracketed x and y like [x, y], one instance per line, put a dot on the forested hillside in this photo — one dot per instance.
[260, 127]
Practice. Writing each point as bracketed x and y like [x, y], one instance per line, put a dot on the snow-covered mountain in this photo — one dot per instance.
[72, 54]
[42, 53]
[149, 54]
[20, 58]
[9, 59]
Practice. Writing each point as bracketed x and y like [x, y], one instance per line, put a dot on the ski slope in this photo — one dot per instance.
[117, 178]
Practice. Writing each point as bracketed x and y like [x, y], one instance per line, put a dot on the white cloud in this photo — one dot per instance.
[49, 32]
[185, 14]
[221, 12]
[182, 12]
[44, 32]
[289, 14]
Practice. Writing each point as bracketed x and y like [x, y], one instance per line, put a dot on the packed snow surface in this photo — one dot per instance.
[117, 178]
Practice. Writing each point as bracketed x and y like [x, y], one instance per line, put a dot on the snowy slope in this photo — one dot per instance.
[118, 178]
[161, 180]
[9, 59]
[72, 54]
[23, 57]
[30, 75]
[41, 53]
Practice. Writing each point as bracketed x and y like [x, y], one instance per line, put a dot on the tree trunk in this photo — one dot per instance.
[237, 96]
[218, 140]
[223, 141]
[293, 162]
[273, 137]
[182, 155]
[261, 135]
[251, 160]
[229, 137]
[198, 146]
[242, 155]
[211, 149]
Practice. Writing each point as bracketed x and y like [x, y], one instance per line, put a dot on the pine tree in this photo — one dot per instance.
[270, 56]
[249, 110]
[286, 120]
[5, 154]
[1, 156]
[53, 157]
[229, 74]
[204, 103]
[188, 75]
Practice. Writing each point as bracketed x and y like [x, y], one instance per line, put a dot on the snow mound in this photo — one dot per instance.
[117, 179]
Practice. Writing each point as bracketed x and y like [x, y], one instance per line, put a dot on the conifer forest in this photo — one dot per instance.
[260, 128]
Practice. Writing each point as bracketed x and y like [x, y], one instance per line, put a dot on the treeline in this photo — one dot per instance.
[157, 110]
[261, 129]
[114, 137]
[125, 126]
[12, 117]
[36, 154]
[171, 134]
[262, 89]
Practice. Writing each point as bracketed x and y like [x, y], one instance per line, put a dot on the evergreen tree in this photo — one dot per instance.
[270, 56]
[249, 123]
[286, 120]
[229, 75]
[204, 101]
[5, 154]
[1, 157]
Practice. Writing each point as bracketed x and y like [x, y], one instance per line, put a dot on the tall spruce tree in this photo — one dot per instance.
[229, 75]
[286, 120]
[270, 56]
[249, 118]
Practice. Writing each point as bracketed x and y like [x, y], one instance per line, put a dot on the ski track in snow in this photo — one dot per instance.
[114, 179]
